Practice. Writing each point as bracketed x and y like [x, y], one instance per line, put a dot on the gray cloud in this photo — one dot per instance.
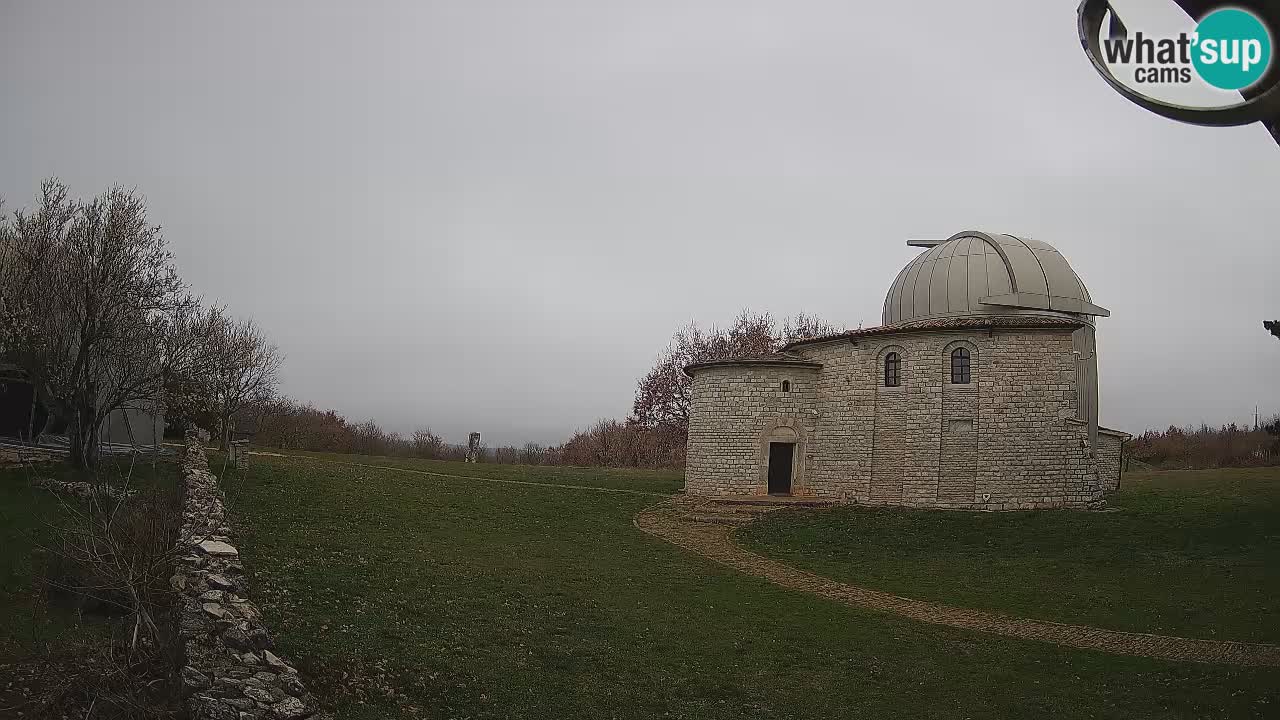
[492, 215]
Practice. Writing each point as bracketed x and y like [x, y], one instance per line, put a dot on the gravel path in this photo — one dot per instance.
[669, 521]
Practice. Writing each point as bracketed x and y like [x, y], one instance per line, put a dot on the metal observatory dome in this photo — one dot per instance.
[975, 273]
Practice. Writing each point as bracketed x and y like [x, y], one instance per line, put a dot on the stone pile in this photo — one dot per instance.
[83, 490]
[231, 671]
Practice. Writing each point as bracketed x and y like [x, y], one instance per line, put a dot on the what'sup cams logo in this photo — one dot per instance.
[1230, 49]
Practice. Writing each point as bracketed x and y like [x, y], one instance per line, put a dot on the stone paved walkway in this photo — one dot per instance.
[670, 521]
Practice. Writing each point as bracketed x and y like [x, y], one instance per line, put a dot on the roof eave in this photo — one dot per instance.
[747, 362]
[898, 329]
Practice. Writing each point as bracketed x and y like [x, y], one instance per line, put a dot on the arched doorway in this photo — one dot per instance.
[781, 462]
[781, 456]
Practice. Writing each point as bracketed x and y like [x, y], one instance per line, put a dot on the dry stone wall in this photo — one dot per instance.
[1008, 440]
[232, 671]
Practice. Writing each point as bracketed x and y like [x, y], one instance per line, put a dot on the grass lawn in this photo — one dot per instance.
[409, 595]
[1190, 552]
[655, 481]
[46, 646]
[29, 624]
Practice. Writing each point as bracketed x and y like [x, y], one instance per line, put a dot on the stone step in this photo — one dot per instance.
[719, 519]
[772, 501]
[747, 513]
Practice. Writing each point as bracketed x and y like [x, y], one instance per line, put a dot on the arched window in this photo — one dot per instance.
[892, 370]
[786, 386]
[960, 366]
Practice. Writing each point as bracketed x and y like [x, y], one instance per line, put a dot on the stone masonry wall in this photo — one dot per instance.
[959, 439]
[734, 407]
[1002, 442]
[1031, 455]
[231, 671]
[1109, 459]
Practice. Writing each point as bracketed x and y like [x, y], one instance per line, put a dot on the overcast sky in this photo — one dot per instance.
[492, 215]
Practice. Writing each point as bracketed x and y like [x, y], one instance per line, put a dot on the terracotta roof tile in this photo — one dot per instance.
[774, 358]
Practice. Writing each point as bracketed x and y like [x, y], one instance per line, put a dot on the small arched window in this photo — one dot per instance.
[892, 370]
[960, 366]
[786, 386]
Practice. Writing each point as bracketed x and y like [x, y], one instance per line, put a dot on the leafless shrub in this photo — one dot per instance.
[370, 439]
[427, 444]
[454, 452]
[532, 454]
[662, 395]
[116, 554]
[506, 455]
[610, 443]
[110, 553]
[96, 681]
[289, 425]
[1208, 447]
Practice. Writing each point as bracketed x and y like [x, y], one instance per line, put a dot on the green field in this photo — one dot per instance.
[663, 482]
[29, 623]
[1192, 552]
[409, 595]
[48, 646]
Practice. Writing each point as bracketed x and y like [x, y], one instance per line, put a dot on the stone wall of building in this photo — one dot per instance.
[1035, 457]
[735, 410]
[231, 670]
[1110, 445]
[958, 445]
[1003, 441]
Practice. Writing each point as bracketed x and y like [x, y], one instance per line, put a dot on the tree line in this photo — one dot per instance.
[653, 436]
[95, 314]
[1208, 447]
[286, 424]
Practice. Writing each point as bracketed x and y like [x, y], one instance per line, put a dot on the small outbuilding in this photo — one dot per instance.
[979, 391]
[19, 411]
[137, 425]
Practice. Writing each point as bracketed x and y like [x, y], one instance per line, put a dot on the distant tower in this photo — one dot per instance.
[473, 447]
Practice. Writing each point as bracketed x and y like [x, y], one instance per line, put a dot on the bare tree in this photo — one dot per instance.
[369, 438]
[806, 327]
[29, 251]
[532, 454]
[245, 369]
[91, 296]
[192, 343]
[662, 395]
[427, 444]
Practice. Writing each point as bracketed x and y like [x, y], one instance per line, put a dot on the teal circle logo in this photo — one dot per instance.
[1233, 49]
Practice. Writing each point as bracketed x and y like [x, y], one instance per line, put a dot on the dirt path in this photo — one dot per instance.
[667, 520]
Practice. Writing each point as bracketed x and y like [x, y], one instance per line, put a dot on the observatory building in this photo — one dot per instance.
[978, 392]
